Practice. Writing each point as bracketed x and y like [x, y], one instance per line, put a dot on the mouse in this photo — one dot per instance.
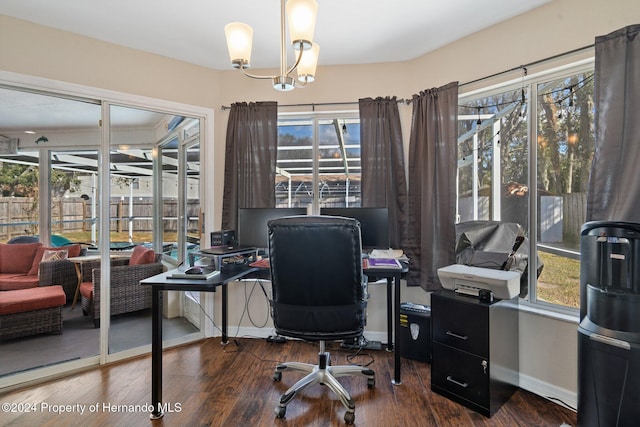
[194, 270]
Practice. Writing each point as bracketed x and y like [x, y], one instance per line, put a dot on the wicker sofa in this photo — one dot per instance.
[127, 295]
[32, 293]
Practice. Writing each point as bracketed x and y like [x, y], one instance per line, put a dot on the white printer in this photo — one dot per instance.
[470, 280]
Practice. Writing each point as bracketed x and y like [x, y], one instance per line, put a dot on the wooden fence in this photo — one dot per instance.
[574, 214]
[19, 215]
[573, 208]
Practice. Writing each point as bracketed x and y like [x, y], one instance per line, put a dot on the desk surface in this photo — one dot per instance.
[386, 272]
[87, 258]
[162, 280]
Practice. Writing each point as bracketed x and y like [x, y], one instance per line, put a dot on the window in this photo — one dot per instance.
[502, 175]
[318, 161]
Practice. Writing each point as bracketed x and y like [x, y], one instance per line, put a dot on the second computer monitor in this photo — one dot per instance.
[252, 224]
[374, 224]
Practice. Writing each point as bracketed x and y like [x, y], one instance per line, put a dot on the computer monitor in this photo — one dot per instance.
[252, 224]
[374, 224]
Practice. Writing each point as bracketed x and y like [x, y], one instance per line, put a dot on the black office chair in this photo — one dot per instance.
[319, 294]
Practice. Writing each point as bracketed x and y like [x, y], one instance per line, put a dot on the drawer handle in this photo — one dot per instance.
[461, 384]
[461, 337]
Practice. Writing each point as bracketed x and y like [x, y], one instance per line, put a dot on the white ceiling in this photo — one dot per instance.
[348, 31]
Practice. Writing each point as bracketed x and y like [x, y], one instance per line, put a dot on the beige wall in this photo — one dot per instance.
[561, 26]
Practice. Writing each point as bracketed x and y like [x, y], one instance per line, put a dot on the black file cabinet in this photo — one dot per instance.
[474, 350]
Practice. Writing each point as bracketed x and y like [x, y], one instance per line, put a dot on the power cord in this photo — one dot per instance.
[247, 298]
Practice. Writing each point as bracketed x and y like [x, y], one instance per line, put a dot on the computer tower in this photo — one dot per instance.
[415, 332]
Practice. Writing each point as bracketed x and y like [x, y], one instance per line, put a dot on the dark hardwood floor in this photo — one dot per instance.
[207, 384]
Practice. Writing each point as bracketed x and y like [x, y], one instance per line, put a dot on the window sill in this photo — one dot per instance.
[569, 315]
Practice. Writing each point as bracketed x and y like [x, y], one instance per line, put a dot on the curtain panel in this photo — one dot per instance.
[250, 159]
[383, 181]
[433, 149]
[614, 183]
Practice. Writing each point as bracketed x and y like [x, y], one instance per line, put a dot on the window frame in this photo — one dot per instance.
[530, 84]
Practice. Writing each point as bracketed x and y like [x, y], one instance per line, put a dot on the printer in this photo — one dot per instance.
[470, 280]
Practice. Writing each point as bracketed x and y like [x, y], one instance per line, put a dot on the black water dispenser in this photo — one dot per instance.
[609, 331]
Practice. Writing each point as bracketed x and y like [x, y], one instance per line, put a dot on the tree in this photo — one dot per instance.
[18, 180]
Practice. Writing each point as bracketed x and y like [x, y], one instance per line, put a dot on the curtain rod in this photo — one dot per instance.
[318, 104]
[530, 64]
[408, 101]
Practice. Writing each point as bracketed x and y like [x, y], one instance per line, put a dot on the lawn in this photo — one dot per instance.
[559, 282]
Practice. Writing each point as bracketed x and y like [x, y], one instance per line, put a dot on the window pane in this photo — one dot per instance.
[294, 173]
[492, 159]
[565, 151]
[332, 176]
[339, 164]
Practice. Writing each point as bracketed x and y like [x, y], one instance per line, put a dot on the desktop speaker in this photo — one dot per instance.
[415, 332]
[223, 238]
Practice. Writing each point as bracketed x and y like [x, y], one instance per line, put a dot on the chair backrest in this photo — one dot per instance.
[319, 291]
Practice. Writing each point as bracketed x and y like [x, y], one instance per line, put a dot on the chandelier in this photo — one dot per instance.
[302, 21]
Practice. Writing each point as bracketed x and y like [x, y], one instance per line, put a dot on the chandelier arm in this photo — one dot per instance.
[254, 76]
[294, 66]
[300, 85]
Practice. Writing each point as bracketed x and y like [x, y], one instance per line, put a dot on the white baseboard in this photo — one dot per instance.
[554, 393]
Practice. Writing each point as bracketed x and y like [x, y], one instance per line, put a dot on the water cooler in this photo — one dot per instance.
[609, 331]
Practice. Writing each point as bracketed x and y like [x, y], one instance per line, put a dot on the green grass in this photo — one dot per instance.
[559, 282]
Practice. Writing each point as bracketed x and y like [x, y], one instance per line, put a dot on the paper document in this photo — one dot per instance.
[387, 253]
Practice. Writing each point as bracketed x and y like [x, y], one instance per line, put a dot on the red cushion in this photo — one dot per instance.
[9, 281]
[86, 290]
[73, 250]
[39, 298]
[142, 255]
[17, 257]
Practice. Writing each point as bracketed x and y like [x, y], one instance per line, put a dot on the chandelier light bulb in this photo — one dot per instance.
[301, 17]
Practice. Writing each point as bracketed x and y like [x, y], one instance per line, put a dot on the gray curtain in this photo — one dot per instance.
[433, 152]
[614, 183]
[383, 182]
[250, 159]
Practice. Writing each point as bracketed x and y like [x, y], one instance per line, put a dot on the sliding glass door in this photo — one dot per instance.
[148, 208]
[104, 179]
[48, 169]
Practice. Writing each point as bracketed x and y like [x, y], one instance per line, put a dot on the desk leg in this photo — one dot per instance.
[389, 315]
[396, 329]
[75, 296]
[156, 354]
[225, 303]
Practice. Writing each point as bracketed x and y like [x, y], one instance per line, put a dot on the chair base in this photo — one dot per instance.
[324, 374]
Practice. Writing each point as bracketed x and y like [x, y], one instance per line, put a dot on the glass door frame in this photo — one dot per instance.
[105, 98]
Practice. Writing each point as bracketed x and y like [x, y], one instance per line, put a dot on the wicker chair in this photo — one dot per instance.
[126, 293]
[62, 273]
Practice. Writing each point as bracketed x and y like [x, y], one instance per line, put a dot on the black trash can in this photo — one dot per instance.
[415, 332]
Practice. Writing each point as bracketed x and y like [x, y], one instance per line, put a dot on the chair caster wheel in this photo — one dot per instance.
[280, 411]
[371, 383]
[277, 376]
[349, 417]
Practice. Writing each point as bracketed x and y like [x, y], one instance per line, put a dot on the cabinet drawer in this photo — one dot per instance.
[460, 324]
[461, 373]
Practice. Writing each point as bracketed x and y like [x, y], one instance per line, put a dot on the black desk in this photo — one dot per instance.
[162, 282]
[393, 306]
